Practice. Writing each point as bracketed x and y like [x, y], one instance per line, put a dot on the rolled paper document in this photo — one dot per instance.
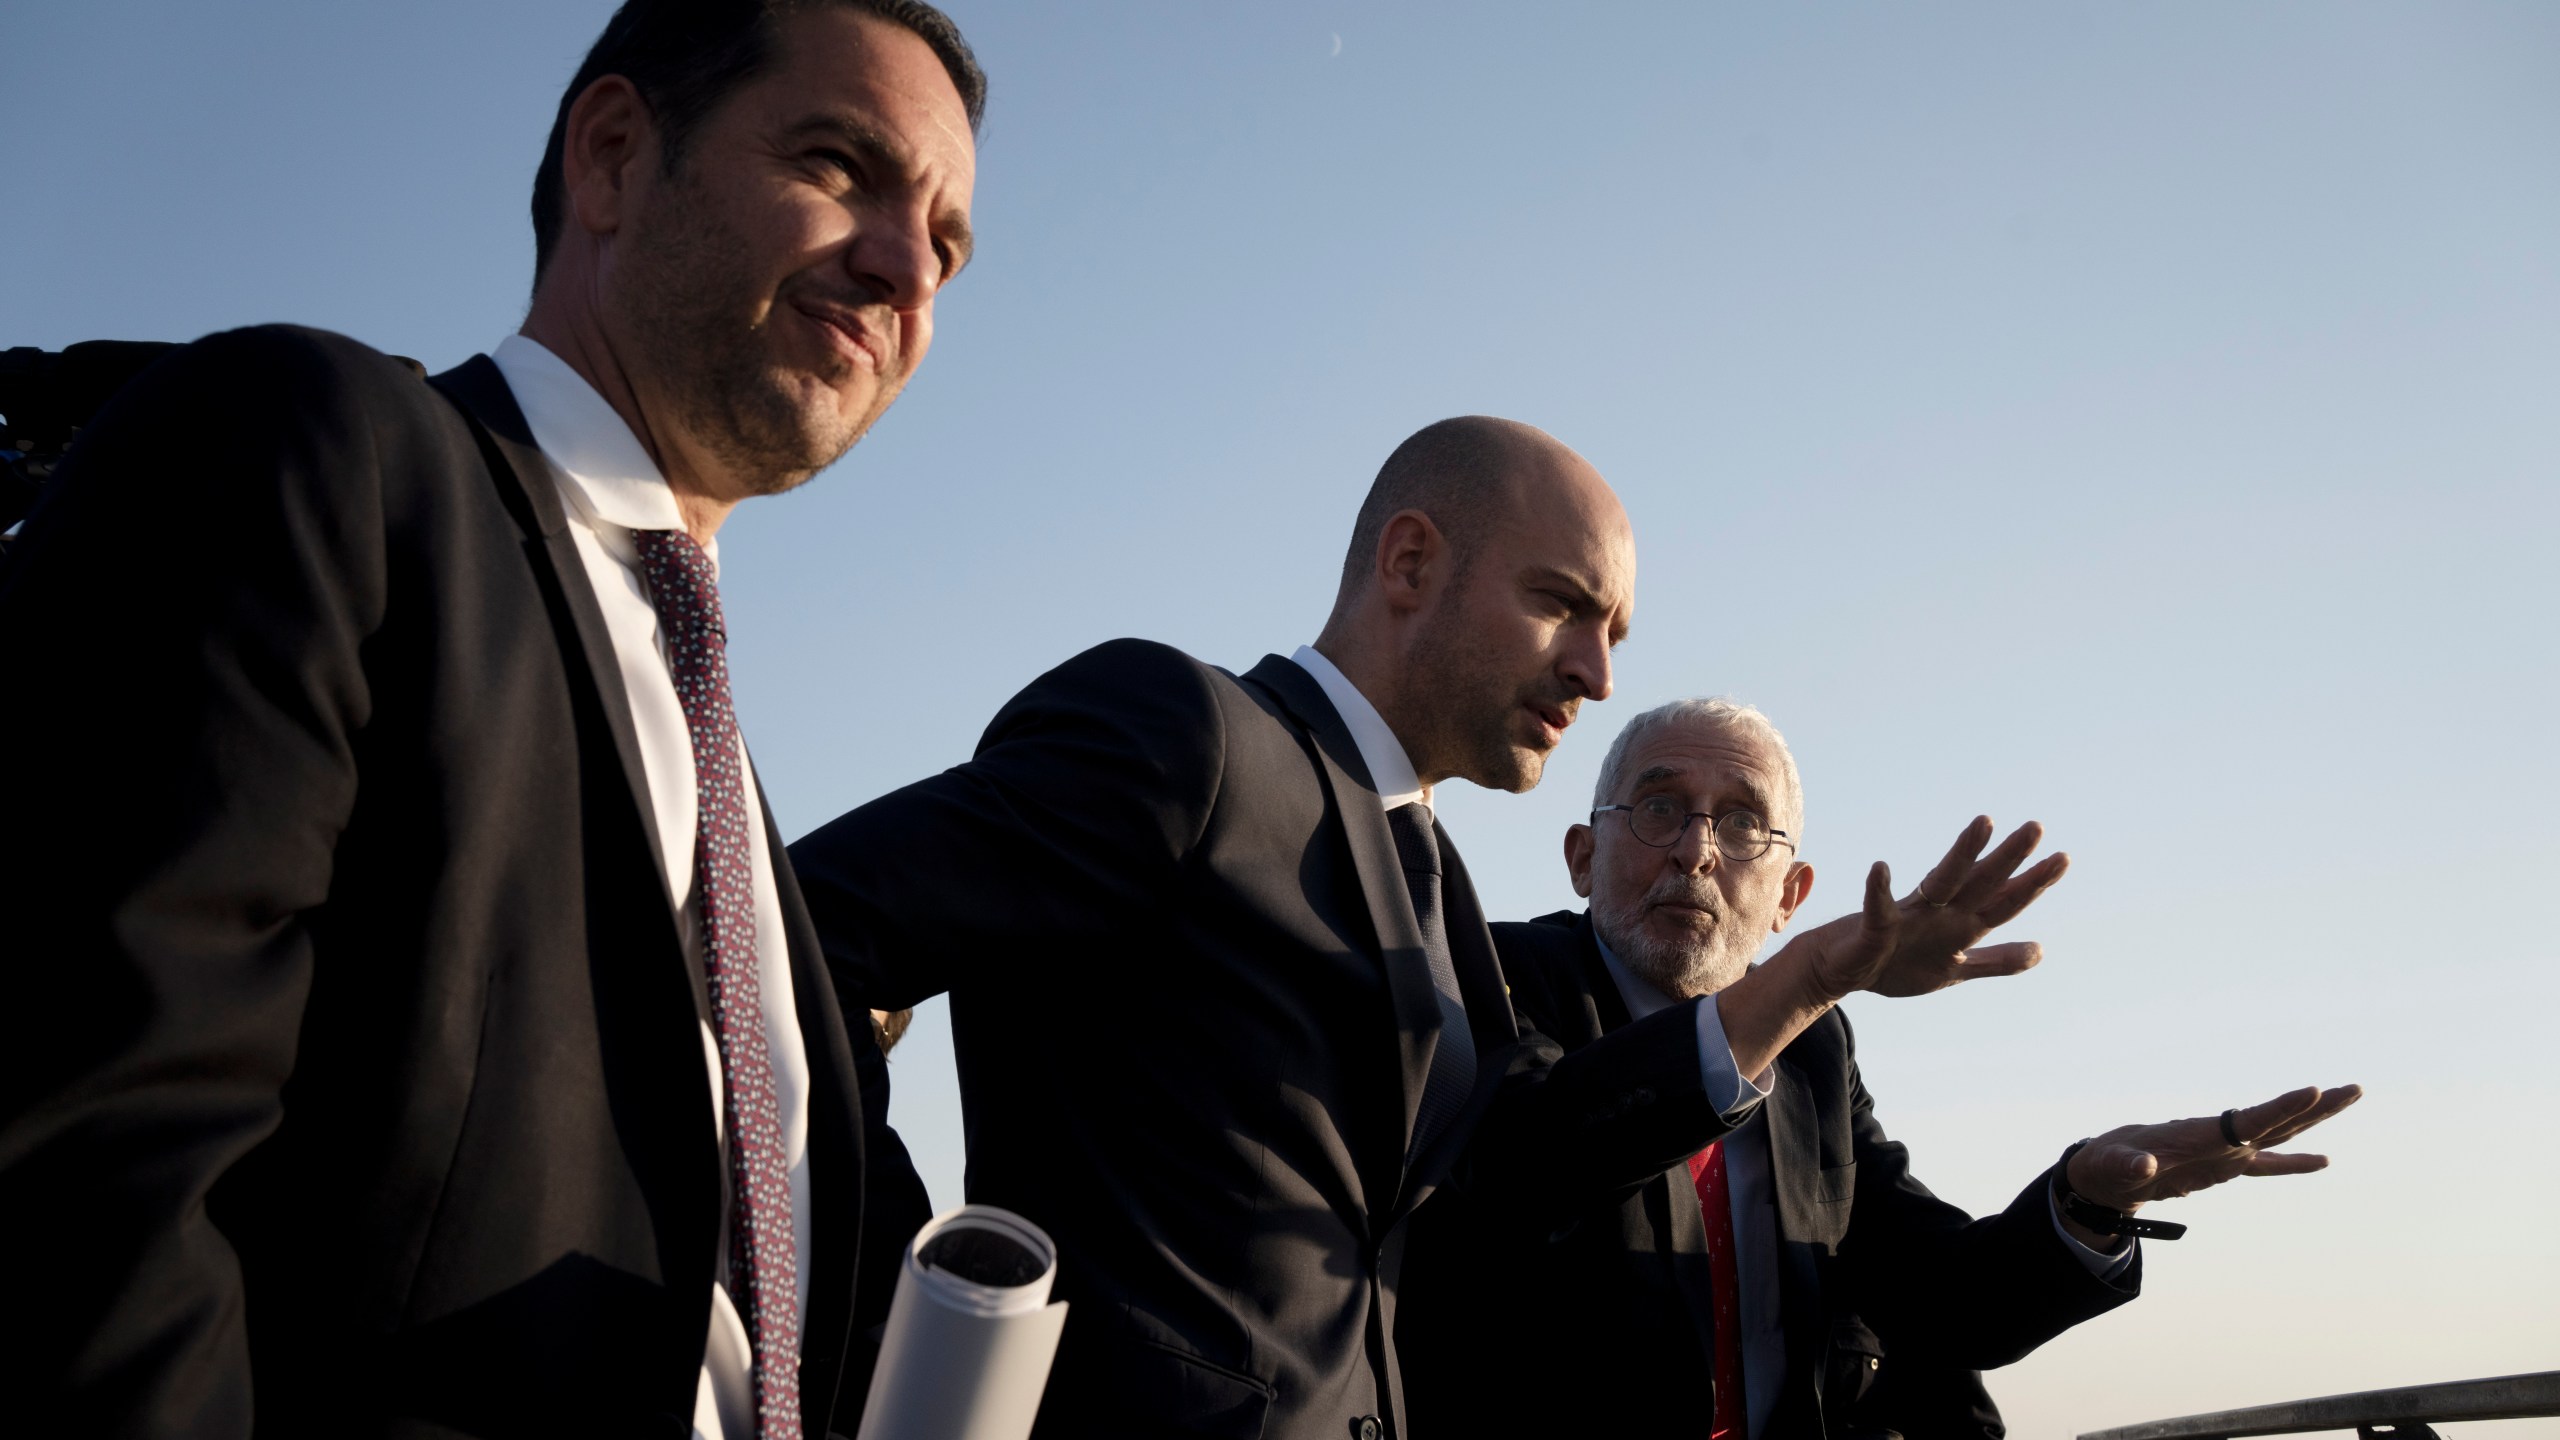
[971, 1332]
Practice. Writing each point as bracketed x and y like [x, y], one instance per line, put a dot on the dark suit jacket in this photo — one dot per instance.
[1604, 1325]
[1193, 1018]
[353, 1067]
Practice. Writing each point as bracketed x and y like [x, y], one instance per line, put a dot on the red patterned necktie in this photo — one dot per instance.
[1715, 1206]
[763, 1262]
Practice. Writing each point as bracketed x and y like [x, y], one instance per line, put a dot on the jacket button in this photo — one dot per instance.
[1367, 1428]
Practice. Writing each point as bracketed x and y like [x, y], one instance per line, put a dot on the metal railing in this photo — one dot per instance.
[2402, 1414]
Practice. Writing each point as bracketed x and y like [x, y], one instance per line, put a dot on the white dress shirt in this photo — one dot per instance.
[1751, 1190]
[611, 487]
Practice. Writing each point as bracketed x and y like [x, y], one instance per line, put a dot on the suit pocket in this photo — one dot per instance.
[1850, 1363]
[1133, 1388]
[1206, 1399]
[1837, 1184]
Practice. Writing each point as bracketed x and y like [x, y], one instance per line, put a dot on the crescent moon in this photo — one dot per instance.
[1337, 43]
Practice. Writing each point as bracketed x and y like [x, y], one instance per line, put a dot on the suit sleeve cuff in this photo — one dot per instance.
[1734, 1095]
[2105, 1264]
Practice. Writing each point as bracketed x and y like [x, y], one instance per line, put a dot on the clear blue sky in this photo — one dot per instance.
[2141, 418]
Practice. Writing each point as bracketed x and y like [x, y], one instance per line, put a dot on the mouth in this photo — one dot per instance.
[1683, 911]
[856, 342]
[1551, 721]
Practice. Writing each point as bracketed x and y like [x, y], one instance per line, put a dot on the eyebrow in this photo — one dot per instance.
[1584, 599]
[877, 148]
[1753, 796]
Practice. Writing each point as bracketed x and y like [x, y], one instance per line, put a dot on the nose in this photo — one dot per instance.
[1586, 663]
[894, 256]
[1695, 851]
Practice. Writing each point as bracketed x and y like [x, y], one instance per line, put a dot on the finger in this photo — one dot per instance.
[2137, 1167]
[1993, 870]
[2015, 958]
[1854, 945]
[2114, 1175]
[2269, 1162]
[2254, 1122]
[2023, 891]
[2331, 1102]
[1940, 885]
[1881, 914]
[2177, 1142]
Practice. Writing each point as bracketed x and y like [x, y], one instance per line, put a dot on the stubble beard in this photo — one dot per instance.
[1457, 680]
[691, 305]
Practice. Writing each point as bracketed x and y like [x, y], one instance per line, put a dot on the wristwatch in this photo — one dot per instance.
[2106, 1220]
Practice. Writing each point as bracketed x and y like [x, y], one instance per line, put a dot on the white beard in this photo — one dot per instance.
[1682, 970]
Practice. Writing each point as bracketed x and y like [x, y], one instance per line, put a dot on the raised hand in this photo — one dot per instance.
[1911, 946]
[2132, 1165]
[1924, 941]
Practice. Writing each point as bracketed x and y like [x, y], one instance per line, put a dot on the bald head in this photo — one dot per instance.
[1490, 573]
[1468, 473]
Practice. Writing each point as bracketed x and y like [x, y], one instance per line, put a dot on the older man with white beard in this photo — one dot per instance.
[1793, 1281]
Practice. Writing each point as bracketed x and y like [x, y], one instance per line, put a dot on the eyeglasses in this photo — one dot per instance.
[1658, 821]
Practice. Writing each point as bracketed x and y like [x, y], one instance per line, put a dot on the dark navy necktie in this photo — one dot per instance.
[764, 1263]
[1452, 1077]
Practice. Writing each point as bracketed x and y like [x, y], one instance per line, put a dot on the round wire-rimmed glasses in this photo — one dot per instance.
[1657, 820]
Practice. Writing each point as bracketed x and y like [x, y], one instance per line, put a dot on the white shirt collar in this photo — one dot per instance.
[1380, 750]
[605, 475]
[1639, 993]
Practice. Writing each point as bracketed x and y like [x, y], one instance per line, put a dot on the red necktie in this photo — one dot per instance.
[1715, 1206]
[764, 1262]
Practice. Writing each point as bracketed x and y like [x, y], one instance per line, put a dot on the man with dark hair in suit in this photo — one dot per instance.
[1744, 1292]
[1312, 1036]
[415, 1029]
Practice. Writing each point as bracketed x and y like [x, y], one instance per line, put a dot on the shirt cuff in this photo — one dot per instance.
[2105, 1264]
[1733, 1095]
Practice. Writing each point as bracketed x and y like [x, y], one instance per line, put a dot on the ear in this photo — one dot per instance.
[608, 146]
[1791, 893]
[1577, 858]
[1411, 558]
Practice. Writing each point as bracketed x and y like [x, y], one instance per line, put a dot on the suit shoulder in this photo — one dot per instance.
[1128, 676]
[1138, 693]
[1541, 959]
[275, 398]
[1130, 659]
[1555, 934]
[246, 418]
[295, 365]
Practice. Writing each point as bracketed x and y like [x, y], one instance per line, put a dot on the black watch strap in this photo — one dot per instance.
[2106, 1220]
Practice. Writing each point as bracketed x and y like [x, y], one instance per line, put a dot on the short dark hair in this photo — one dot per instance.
[686, 56]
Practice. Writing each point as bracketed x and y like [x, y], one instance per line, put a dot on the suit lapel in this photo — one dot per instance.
[1793, 1129]
[1794, 1165]
[524, 482]
[1373, 854]
[1489, 1016]
[1606, 1002]
[1689, 1268]
[1471, 950]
